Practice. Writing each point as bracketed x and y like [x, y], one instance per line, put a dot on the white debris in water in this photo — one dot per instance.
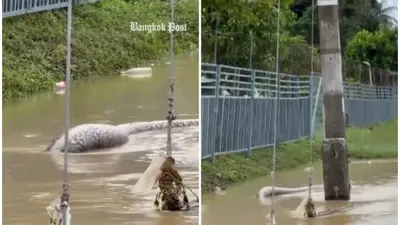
[143, 72]
[149, 176]
[40, 195]
[308, 169]
[299, 211]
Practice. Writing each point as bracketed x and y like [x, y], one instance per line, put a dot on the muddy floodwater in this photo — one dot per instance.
[373, 194]
[101, 182]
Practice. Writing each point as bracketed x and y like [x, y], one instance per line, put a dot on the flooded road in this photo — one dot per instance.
[100, 183]
[373, 194]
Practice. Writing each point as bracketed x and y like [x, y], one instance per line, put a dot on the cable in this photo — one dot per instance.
[272, 214]
[65, 187]
[310, 179]
[171, 117]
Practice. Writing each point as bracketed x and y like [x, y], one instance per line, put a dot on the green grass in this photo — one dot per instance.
[363, 143]
[379, 141]
[34, 45]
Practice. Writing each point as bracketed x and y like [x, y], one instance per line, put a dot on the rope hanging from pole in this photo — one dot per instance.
[310, 207]
[277, 98]
[171, 117]
[64, 203]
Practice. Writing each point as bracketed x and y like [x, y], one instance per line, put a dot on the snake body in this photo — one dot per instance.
[266, 192]
[90, 137]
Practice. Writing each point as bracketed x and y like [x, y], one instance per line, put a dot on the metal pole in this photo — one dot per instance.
[393, 80]
[369, 72]
[253, 72]
[216, 113]
[171, 116]
[251, 123]
[65, 195]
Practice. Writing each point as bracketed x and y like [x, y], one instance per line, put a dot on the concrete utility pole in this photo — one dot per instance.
[334, 156]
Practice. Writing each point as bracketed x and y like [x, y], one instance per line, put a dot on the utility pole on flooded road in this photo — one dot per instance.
[334, 155]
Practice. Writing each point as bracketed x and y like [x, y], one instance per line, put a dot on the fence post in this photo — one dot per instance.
[250, 126]
[311, 81]
[363, 98]
[278, 124]
[347, 120]
[216, 111]
[298, 106]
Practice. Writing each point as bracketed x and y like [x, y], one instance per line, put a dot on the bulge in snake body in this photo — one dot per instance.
[89, 137]
[266, 192]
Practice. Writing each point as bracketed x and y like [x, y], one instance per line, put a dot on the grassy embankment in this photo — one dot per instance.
[34, 45]
[363, 143]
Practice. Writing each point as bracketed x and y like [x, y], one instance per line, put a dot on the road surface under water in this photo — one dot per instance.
[101, 182]
[373, 194]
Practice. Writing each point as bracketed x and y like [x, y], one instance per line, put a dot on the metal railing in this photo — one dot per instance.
[20, 7]
[238, 107]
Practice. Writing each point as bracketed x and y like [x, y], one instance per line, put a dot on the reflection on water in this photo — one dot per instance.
[374, 195]
[101, 182]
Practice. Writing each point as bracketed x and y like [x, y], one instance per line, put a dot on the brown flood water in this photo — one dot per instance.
[100, 183]
[374, 195]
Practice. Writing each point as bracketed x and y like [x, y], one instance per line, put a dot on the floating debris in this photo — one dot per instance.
[140, 72]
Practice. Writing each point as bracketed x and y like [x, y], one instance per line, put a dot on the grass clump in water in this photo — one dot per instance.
[379, 141]
[34, 45]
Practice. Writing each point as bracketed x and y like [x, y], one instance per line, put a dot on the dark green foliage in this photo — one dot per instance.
[237, 19]
[355, 15]
[34, 45]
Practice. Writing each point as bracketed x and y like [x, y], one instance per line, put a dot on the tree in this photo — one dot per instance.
[379, 48]
[237, 19]
[355, 15]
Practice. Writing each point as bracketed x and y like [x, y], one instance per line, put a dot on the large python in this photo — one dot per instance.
[266, 192]
[88, 137]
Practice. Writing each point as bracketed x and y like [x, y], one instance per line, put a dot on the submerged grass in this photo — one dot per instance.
[34, 45]
[379, 141]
